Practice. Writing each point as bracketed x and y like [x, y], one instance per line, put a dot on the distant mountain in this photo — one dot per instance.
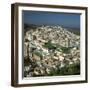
[73, 30]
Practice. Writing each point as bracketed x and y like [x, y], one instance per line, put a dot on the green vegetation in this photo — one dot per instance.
[38, 53]
[73, 69]
[65, 49]
[50, 45]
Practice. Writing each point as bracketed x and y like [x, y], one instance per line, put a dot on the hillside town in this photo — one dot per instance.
[51, 51]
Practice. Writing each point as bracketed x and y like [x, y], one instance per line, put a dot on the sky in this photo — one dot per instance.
[51, 18]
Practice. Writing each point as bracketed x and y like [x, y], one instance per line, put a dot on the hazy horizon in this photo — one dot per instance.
[51, 19]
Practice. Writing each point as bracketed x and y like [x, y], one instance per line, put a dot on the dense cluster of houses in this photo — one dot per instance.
[48, 49]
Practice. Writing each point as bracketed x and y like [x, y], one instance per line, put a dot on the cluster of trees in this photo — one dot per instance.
[73, 69]
[52, 46]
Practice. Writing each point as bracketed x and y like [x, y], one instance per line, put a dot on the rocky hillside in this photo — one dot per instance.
[50, 50]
